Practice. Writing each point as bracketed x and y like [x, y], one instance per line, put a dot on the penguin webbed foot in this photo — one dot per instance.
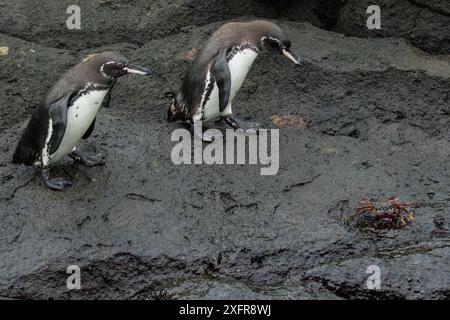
[87, 160]
[55, 184]
[239, 124]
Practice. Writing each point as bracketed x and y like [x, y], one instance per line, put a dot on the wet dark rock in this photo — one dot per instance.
[321, 13]
[108, 22]
[423, 22]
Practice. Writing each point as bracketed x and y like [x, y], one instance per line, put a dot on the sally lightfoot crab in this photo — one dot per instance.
[390, 214]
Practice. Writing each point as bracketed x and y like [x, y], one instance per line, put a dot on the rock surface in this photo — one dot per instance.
[377, 114]
[423, 22]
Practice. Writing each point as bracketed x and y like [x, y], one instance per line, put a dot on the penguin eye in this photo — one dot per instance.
[120, 65]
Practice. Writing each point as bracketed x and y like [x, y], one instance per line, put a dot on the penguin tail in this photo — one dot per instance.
[24, 154]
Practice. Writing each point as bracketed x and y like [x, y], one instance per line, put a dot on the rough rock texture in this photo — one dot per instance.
[378, 120]
[426, 23]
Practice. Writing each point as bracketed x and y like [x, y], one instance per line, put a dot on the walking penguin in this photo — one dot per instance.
[215, 76]
[67, 114]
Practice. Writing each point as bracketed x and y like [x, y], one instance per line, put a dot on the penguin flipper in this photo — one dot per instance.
[89, 131]
[32, 142]
[58, 115]
[26, 151]
[222, 74]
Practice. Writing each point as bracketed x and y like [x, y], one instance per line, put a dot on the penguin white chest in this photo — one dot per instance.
[239, 65]
[79, 118]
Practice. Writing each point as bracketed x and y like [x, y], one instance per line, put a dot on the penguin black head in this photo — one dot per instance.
[113, 65]
[276, 41]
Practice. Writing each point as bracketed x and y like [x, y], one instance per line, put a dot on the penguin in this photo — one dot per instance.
[67, 113]
[215, 76]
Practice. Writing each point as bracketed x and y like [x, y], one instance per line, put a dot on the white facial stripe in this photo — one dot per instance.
[101, 69]
[274, 39]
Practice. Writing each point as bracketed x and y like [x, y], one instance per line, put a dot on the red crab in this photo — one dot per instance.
[391, 214]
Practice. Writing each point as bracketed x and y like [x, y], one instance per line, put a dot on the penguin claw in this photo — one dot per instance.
[58, 184]
[55, 184]
[86, 160]
[238, 124]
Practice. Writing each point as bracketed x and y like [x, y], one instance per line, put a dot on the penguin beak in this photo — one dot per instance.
[293, 57]
[132, 69]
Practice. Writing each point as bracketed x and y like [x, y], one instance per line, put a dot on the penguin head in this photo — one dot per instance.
[276, 41]
[113, 65]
